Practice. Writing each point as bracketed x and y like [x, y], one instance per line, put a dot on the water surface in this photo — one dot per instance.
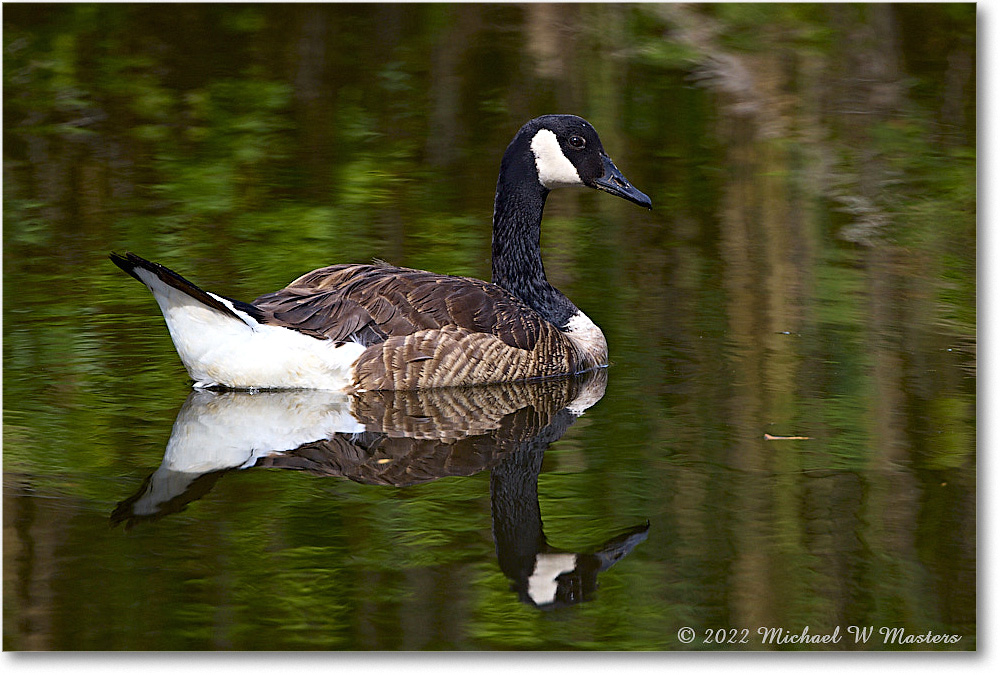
[791, 401]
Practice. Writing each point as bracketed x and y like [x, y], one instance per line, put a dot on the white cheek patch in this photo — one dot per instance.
[554, 170]
[543, 584]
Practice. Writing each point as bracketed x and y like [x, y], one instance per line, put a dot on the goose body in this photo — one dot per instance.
[378, 326]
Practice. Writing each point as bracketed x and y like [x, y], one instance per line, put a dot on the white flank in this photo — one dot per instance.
[218, 349]
[585, 334]
[542, 584]
[234, 429]
[554, 170]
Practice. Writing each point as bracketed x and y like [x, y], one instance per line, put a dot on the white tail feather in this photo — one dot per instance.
[237, 351]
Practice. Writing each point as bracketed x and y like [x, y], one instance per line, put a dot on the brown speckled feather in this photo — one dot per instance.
[423, 329]
[413, 438]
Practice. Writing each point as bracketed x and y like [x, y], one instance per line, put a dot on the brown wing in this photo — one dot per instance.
[371, 303]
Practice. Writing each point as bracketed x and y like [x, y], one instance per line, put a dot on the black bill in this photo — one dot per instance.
[615, 183]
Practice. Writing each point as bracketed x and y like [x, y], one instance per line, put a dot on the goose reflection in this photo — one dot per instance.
[398, 439]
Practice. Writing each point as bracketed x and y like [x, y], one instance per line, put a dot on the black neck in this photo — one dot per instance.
[517, 252]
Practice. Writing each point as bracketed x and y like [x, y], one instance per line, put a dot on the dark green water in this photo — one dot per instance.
[808, 271]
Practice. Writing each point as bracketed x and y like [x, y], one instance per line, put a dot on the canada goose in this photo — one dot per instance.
[384, 327]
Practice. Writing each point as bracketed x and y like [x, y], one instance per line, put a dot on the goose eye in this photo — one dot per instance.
[577, 142]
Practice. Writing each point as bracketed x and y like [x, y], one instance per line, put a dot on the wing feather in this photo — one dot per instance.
[370, 303]
[423, 330]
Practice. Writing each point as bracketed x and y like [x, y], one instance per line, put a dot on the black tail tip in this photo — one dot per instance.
[123, 262]
[128, 262]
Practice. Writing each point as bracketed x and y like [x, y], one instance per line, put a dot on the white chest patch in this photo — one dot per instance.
[554, 170]
[590, 394]
[588, 338]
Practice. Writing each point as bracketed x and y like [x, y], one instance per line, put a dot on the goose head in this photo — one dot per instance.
[549, 152]
[568, 152]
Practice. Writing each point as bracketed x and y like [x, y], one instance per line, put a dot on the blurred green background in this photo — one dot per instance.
[808, 270]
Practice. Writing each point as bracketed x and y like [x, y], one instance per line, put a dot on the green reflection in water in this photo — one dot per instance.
[808, 270]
